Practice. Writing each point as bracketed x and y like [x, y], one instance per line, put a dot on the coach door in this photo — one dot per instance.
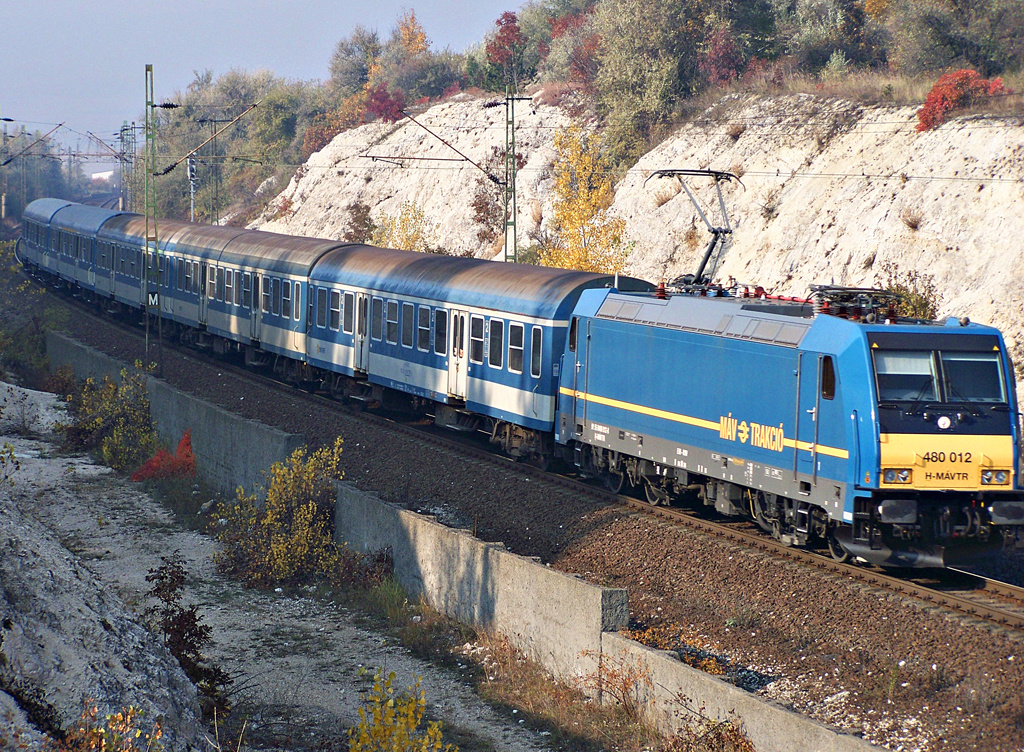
[204, 300]
[458, 360]
[254, 309]
[362, 342]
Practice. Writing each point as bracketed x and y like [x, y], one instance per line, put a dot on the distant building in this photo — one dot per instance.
[98, 176]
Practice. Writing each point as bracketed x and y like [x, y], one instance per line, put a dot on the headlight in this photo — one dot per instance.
[995, 477]
[897, 475]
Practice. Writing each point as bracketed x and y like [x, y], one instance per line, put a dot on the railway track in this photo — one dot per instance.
[961, 592]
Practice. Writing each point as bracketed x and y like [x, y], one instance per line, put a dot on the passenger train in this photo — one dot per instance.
[831, 422]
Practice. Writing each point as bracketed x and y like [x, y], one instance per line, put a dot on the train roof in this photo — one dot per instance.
[289, 254]
[83, 219]
[514, 288]
[738, 318]
[43, 209]
[784, 322]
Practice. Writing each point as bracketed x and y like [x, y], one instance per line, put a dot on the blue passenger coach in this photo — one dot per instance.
[479, 339]
[895, 441]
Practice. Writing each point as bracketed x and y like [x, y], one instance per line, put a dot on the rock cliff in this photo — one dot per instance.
[831, 191]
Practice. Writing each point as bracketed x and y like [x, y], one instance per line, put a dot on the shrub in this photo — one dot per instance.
[163, 464]
[954, 90]
[384, 104]
[390, 720]
[919, 297]
[113, 418]
[287, 538]
[115, 732]
[183, 630]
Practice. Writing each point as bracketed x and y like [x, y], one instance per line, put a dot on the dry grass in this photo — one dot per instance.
[665, 194]
[911, 218]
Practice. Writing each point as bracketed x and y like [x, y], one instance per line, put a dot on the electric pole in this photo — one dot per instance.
[151, 259]
[511, 253]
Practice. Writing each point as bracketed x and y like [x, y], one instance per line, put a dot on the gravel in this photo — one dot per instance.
[902, 674]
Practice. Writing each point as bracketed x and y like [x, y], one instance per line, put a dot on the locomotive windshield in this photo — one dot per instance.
[939, 376]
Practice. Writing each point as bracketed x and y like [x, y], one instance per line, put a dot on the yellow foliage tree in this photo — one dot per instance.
[390, 721]
[587, 238]
[409, 231]
[411, 35]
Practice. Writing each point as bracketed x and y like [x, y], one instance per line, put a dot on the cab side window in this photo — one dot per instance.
[828, 378]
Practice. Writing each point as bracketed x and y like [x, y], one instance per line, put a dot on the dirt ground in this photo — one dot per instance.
[299, 663]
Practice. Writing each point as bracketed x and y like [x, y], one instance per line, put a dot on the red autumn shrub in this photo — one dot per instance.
[163, 464]
[956, 89]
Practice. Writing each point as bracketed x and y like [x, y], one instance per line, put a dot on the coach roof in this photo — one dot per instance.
[512, 288]
[43, 209]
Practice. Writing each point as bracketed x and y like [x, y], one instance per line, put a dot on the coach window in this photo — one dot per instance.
[135, 260]
[188, 276]
[536, 351]
[211, 281]
[408, 323]
[238, 287]
[321, 307]
[265, 295]
[297, 308]
[377, 319]
[392, 321]
[350, 302]
[828, 378]
[335, 310]
[286, 299]
[276, 291]
[183, 266]
[440, 331]
[496, 354]
[423, 328]
[476, 339]
[515, 348]
[220, 283]
[247, 290]
[229, 286]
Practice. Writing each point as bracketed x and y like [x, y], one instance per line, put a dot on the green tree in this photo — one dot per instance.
[648, 63]
[987, 35]
[354, 60]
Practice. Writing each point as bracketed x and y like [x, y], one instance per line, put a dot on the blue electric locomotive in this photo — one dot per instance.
[892, 440]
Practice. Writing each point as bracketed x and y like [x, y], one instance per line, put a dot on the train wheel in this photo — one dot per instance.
[541, 461]
[835, 548]
[655, 495]
[615, 481]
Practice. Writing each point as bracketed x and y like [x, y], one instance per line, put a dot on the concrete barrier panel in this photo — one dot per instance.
[553, 617]
[230, 450]
[677, 690]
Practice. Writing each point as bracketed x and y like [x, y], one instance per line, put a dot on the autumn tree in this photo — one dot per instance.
[505, 49]
[409, 231]
[587, 238]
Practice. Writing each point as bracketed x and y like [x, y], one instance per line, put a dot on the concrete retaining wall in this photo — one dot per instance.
[678, 692]
[553, 617]
[564, 623]
[230, 450]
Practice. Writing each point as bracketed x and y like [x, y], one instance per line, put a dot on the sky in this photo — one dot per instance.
[82, 62]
